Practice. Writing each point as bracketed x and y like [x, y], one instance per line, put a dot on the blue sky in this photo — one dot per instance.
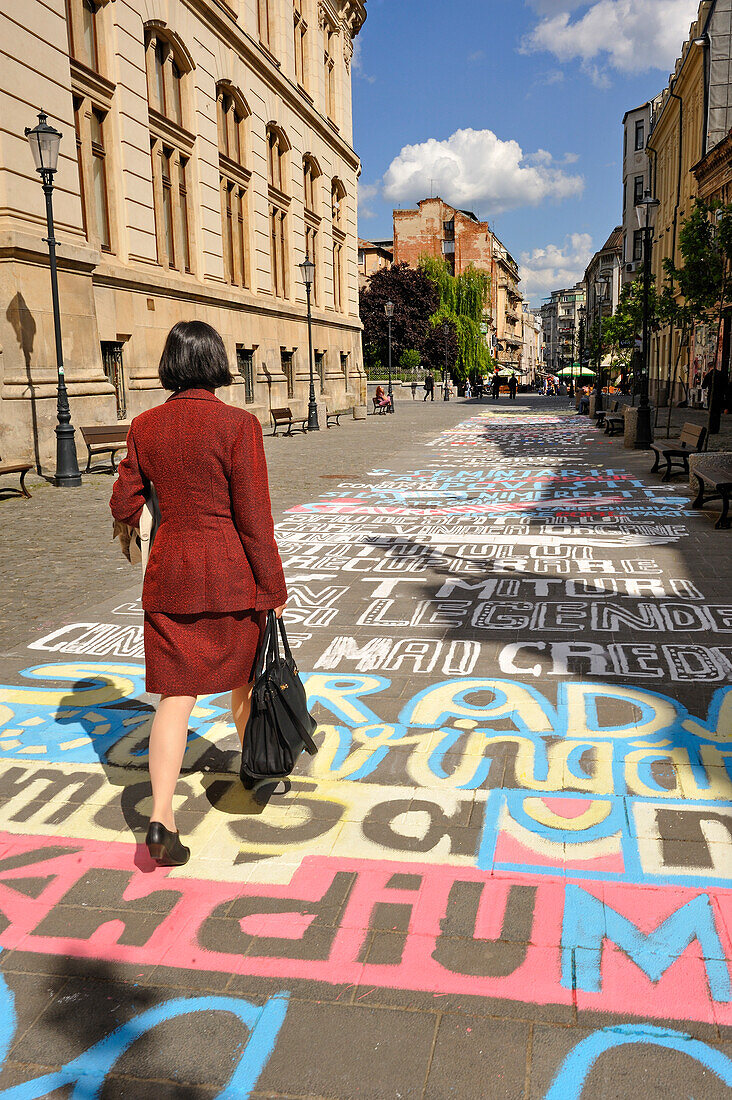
[514, 109]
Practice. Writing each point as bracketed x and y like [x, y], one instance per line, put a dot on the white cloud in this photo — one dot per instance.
[357, 63]
[555, 266]
[367, 192]
[475, 168]
[476, 55]
[630, 36]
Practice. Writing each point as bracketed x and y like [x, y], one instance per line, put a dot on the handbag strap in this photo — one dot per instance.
[265, 646]
[304, 734]
[285, 643]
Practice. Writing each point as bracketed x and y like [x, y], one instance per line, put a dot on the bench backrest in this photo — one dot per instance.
[692, 435]
[281, 414]
[105, 433]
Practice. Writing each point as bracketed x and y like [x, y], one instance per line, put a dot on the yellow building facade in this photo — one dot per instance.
[688, 147]
[206, 151]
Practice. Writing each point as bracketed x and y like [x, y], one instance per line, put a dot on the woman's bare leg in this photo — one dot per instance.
[168, 738]
[241, 702]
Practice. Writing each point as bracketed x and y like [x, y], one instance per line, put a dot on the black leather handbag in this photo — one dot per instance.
[280, 727]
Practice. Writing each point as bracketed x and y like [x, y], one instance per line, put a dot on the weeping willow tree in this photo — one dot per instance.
[462, 301]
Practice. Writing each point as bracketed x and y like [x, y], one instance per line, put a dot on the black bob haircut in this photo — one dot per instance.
[194, 357]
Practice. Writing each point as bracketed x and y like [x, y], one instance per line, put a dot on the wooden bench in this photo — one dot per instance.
[600, 418]
[294, 423]
[387, 407]
[335, 417]
[614, 423]
[21, 468]
[676, 451]
[103, 439]
[715, 483]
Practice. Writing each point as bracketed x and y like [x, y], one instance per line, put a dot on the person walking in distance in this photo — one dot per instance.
[214, 567]
[495, 386]
[512, 387]
[429, 387]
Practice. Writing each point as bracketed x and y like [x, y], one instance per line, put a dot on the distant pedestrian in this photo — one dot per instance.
[512, 387]
[414, 389]
[468, 390]
[495, 386]
[429, 387]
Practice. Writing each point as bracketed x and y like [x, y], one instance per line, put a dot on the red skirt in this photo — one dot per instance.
[200, 654]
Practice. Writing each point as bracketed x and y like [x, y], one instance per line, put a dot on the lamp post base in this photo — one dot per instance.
[643, 432]
[67, 466]
[313, 425]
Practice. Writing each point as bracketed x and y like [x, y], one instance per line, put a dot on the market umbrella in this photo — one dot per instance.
[576, 372]
[507, 372]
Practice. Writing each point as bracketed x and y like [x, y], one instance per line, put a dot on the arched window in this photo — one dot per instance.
[232, 116]
[171, 146]
[277, 149]
[338, 203]
[165, 68]
[311, 174]
[338, 216]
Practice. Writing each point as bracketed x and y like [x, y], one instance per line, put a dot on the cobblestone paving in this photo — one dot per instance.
[507, 873]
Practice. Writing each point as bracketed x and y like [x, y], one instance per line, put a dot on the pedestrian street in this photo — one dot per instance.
[506, 873]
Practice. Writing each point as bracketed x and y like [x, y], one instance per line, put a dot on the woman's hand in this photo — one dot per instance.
[279, 610]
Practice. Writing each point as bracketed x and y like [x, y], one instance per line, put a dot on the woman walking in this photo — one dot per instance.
[214, 566]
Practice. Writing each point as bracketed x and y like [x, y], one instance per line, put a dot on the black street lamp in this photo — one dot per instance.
[446, 334]
[307, 267]
[602, 284]
[44, 141]
[646, 211]
[581, 313]
[389, 311]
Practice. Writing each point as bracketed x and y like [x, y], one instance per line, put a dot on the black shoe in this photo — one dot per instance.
[165, 847]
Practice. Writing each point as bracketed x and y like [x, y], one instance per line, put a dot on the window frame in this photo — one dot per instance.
[91, 153]
[245, 367]
[232, 114]
[75, 27]
[300, 39]
[330, 52]
[640, 128]
[638, 188]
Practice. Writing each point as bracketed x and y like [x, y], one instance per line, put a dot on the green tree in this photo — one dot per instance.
[415, 300]
[461, 303]
[410, 359]
[621, 331]
[695, 291]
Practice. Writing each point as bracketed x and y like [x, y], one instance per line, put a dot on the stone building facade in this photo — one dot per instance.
[560, 319]
[373, 256]
[533, 343]
[206, 150]
[636, 181]
[603, 279]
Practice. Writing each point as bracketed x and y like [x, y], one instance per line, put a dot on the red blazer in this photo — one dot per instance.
[214, 549]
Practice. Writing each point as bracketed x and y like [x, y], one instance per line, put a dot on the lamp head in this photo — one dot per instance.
[44, 141]
[389, 310]
[646, 211]
[307, 267]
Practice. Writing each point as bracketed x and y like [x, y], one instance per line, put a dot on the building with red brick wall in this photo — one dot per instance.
[441, 231]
